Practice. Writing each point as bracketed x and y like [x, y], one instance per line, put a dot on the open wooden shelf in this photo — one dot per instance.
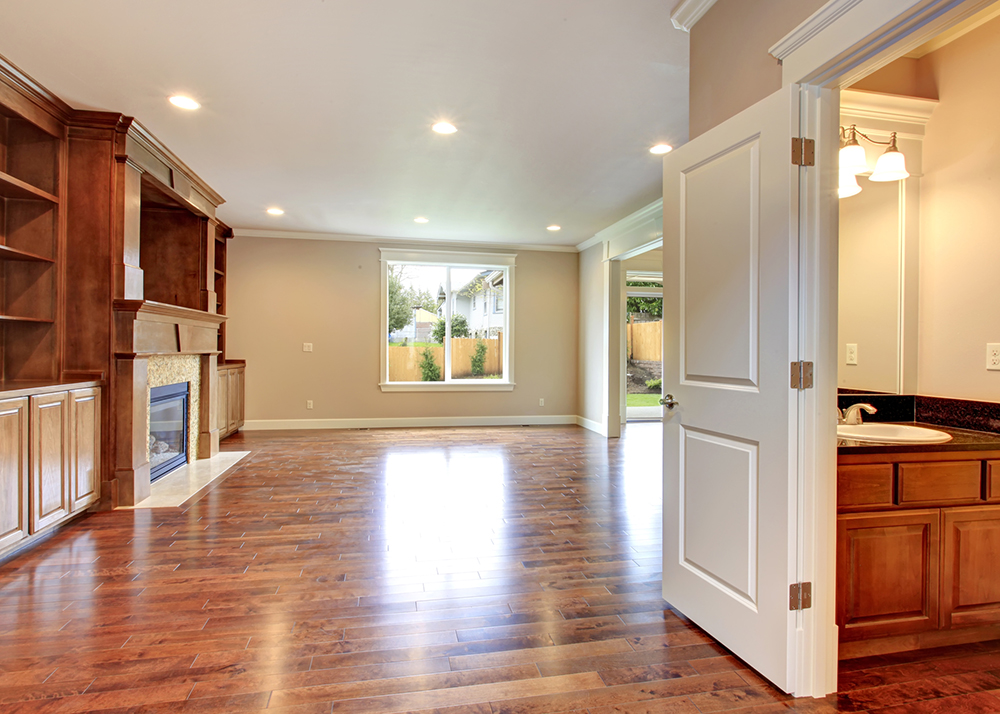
[7, 253]
[11, 187]
[18, 318]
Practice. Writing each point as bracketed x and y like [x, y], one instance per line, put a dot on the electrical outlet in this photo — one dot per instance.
[541, 402]
[852, 354]
[307, 346]
[993, 356]
[309, 404]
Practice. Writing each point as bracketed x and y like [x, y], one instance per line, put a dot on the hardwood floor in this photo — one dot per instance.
[479, 571]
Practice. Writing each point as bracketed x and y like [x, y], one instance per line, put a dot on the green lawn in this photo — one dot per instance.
[642, 400]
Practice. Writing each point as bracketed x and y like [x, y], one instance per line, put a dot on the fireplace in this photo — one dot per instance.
[168, 429]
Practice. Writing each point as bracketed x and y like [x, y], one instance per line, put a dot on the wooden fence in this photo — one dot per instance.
[645, 340]
[404, 362]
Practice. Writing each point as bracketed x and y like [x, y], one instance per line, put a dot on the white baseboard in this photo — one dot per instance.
[405, 422]
[591, 425]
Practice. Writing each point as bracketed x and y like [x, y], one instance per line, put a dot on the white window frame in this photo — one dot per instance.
[500, 261]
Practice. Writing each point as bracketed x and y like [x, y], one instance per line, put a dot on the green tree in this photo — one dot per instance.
[479, 359]
[429, 370]
[647, 305]
[400, 312]
[459, 328]
[422, 299]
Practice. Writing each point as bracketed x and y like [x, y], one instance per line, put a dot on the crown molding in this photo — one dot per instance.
[811, 26]
[888, 107]
[688, 12]
[651, 212]
[403, 242]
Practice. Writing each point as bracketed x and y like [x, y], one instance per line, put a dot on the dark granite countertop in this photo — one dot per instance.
[961, 440]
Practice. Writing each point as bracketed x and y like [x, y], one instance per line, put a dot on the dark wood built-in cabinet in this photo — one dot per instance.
[918, 547]
[110, 255]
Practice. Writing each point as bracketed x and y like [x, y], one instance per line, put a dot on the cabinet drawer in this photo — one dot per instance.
[993, 481]
[945, 483]
[864, 486]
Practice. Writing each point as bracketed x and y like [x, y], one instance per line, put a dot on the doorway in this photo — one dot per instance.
[642, 332]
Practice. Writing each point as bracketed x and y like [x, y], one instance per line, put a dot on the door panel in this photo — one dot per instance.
[721, 548]
[719, 256]
[730, 251]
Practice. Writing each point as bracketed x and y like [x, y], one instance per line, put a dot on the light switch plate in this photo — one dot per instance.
[852, 354]
[307, 346]
[993, 356]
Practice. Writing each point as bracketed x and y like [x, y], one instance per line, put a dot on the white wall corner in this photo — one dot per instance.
[688, 12]
[591, 425]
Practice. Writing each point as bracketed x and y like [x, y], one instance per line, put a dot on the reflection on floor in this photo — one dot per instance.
[457, 571]
[182, 483]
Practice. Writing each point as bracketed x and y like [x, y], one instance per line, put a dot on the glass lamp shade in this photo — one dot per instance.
[852, 158]
[891, 166]
[848, 184]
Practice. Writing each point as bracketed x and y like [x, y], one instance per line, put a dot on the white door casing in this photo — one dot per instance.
[730, 245]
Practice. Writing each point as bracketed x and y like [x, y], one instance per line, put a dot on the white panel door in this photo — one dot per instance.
[730, 247]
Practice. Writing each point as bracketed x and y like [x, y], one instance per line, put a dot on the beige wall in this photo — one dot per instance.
[283, 292]
[730, 66]
[960, 220]
[593, 379]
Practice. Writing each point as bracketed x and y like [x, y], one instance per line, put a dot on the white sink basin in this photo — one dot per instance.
[892, 433]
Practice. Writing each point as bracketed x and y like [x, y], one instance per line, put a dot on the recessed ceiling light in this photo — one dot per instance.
[443, 127]
[554, 228]
[661, 149]
[421, 219]
[179, 100]
[275, 211]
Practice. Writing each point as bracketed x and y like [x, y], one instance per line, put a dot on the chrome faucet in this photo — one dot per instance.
[852, 415]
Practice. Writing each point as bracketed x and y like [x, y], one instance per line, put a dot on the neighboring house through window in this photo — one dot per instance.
[439, 329]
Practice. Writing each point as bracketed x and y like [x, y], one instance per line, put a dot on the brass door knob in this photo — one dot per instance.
[669, 402]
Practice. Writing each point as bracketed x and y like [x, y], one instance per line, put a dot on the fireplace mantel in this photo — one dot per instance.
[144, 327]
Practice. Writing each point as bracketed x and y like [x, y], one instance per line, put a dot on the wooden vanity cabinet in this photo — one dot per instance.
[918, 550]
[970, 576]
[887, 573]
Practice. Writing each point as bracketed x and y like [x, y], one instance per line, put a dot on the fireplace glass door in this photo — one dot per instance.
[168, 436]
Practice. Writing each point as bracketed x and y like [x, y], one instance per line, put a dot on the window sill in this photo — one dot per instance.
[470, 386]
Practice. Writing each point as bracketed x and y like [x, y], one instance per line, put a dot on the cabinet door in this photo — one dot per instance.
[223, 407]
[970, 587]
[234, 404]
[241, 387]
[13, 471]
[85, 465]
[887, 573]
[50, 449]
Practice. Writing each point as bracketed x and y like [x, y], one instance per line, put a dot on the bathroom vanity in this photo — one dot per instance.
[918, 543]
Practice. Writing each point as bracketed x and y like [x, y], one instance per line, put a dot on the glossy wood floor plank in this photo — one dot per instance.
[453, 571]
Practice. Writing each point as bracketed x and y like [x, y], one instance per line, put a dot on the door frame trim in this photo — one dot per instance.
[823, 57]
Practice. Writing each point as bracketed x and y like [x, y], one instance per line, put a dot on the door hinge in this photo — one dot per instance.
[802, 375]
[800, 596]
[803, 151]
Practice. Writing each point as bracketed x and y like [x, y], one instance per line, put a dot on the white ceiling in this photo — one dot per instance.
[324, 107]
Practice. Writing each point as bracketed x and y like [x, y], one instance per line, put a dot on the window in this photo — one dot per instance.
[438, 330]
